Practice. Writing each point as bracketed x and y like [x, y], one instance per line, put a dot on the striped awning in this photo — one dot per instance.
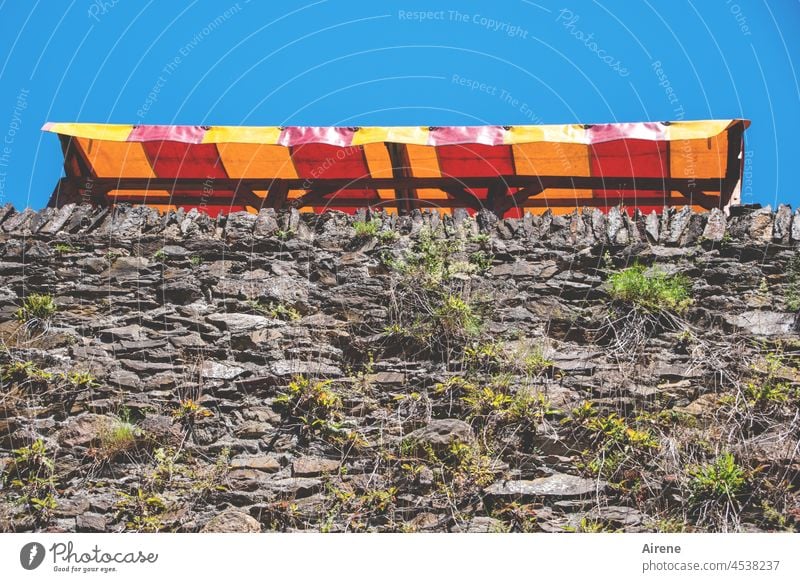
[505, 168]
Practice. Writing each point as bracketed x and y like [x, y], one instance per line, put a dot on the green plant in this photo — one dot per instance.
[276, 310]
[63, 248]
[22, 371]
[30, 478]
[189, 411]
[480, 239]
[284, 234]
[386, 237]
[118, 436]
[379, 499]
[317, 407]
[195, 260]
[159, 256]
[583, 412]
[142, 511]
[485, 355]
[456, 317]
[614, 429]
[368, 228]
[481, 260]
[768, 388]
[722, 478]
[81, 379]
[535, 363]
[651, 290]
[36, 307]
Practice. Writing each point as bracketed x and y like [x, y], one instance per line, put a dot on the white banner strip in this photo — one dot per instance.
[401, 557]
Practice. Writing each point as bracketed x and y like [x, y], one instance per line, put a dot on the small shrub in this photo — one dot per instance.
[189, 411]
[723, 478]
[81, 379]
[118, 436]
[535, 363]
[367, 229]
[317, 408]
[30, 479]
[485, 355]
[651, 290]
[481, 260]
[284, 234]
[36, 307]
[276, 310]
[63, 248]
[456, 317]
[142, 511]
[159, 256]
[387, 236]
[27, 371]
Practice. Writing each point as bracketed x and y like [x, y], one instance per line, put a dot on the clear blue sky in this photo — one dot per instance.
[350, 62]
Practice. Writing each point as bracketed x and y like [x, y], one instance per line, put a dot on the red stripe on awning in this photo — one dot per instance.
[629, 157]
[316, 161]
[475, 160]
[170, 159]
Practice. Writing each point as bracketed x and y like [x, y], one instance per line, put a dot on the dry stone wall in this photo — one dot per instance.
[248, 372]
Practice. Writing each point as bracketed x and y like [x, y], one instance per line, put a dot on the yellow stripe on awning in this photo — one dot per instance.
[227, 134]
[92, 130]
[408, 135]
[679, 130]
[545, 133]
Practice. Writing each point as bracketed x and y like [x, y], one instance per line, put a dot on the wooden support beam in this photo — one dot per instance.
[511, 181]
[401, 170]
[496, 198]
[277, 192]
[344, 202]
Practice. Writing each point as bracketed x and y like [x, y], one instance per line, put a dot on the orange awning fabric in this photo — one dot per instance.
[219, 168]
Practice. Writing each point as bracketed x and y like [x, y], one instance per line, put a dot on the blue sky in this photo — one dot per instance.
[349, 62]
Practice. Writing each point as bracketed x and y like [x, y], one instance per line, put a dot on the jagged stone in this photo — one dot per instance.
[441, 433]
[760, 225]
[782, 227]
[677, 225]
[796, 226]
[558, 486]
[715, 227]
[766, 323]
[314, 467]
[652, 227]
[232, 521]
[263, 463]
